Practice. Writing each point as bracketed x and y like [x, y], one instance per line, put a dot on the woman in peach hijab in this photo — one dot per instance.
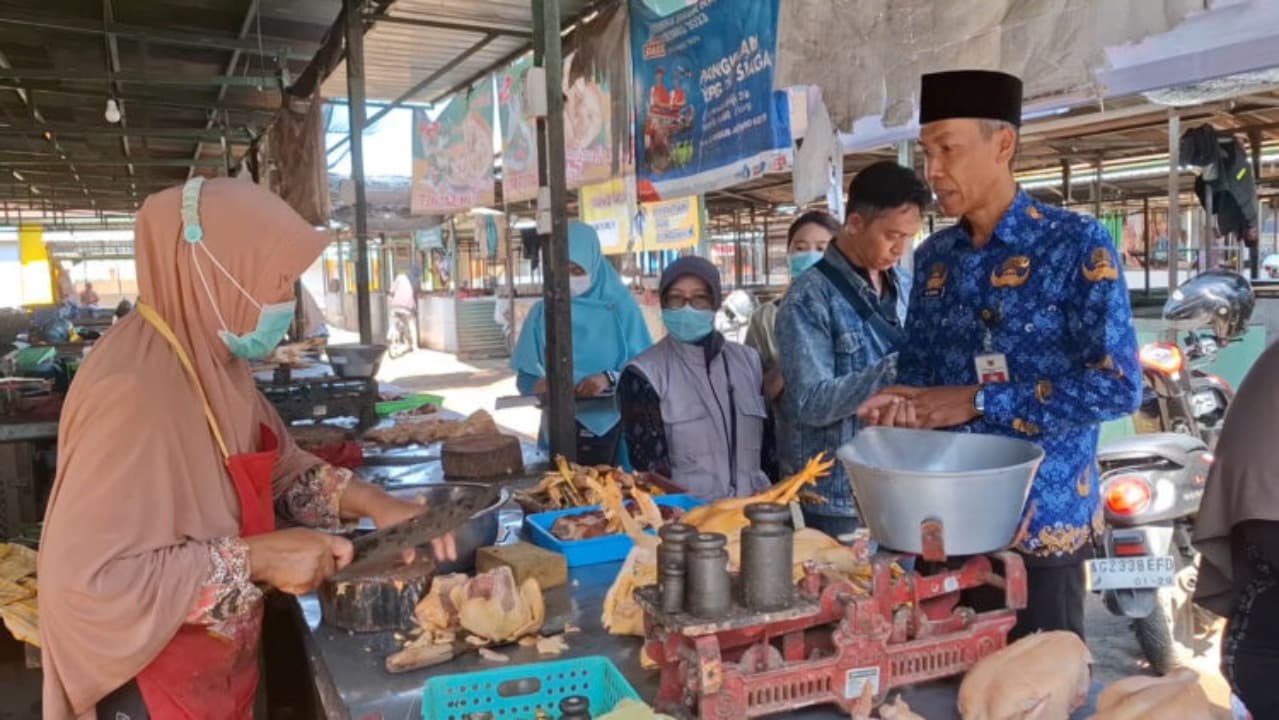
[172, 468]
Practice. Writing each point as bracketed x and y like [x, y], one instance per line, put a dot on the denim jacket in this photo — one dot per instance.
[832, 362]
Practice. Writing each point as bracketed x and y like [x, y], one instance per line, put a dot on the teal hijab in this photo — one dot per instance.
[608, 328]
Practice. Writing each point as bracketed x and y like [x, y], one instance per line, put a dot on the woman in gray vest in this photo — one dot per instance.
[693, 408]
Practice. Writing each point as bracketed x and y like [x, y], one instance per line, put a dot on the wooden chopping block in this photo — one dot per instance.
[481, 456]
[525, 560]
[382, 599]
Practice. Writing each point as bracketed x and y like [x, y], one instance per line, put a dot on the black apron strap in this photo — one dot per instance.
[896, 336]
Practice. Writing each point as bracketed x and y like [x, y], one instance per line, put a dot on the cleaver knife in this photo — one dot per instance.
[384, 549]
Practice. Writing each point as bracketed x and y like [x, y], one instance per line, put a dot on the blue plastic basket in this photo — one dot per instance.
[517, 693]
[594, 551]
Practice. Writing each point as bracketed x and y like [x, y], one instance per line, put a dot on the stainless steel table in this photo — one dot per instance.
[352, 682]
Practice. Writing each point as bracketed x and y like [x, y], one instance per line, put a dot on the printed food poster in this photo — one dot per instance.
[597, 109]
[519, 134]
[707, 116]
[453, 155]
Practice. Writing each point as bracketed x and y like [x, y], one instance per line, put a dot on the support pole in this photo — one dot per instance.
[737, 249]
[1145, 238]
[1065, 182]
[561, 424]
[1254, 248]
[355, 110]
[1096, 191]
[768, 261]
[1174, 197]
[906, 154]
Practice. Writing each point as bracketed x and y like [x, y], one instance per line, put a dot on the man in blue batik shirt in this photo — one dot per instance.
[1019, 325]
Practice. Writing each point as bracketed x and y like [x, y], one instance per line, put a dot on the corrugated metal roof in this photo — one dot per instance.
[455, 41]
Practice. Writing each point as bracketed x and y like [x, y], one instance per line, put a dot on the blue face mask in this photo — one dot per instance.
[273, 325]
[801, 261]
[688, 324]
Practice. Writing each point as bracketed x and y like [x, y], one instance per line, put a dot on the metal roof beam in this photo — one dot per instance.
[246, 24]
[478, 28]
[155, 162]
[134, 98]
[270, 47]
[72, 75]
[233, 135]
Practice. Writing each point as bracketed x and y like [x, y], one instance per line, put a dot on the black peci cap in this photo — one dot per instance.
[977, 94]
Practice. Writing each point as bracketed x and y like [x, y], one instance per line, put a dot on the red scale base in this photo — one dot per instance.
[836, 638]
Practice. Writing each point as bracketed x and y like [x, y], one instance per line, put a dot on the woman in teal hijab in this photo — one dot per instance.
[608, 331]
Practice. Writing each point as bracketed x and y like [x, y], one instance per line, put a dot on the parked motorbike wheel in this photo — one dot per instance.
[1177, 630]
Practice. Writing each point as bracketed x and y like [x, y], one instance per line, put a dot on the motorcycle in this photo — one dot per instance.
[1151, 483]
[401, 338]
[734, 316]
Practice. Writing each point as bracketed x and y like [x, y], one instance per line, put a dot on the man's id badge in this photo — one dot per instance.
[992, 367]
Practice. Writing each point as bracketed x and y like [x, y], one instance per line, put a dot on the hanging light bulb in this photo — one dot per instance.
[113, 111]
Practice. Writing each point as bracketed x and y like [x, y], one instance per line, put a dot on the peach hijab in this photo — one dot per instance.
[141, 486]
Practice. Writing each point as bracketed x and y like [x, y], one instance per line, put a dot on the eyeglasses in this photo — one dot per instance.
[679, 302]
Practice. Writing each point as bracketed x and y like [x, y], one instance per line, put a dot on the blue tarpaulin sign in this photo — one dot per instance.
[707, 115]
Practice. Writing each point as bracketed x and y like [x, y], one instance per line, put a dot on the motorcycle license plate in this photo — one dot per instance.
[1143, 572]
[1203, 403]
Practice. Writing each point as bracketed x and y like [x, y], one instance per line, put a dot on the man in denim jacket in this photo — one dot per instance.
[839, 328]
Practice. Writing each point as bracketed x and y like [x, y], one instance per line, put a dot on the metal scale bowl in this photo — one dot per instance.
[964, 490]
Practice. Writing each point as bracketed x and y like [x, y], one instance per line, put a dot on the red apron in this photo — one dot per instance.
[201, 674]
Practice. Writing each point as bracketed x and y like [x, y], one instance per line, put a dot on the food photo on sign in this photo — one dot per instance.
[707, 115]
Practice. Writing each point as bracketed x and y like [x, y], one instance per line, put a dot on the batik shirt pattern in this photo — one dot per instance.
[1048, 292]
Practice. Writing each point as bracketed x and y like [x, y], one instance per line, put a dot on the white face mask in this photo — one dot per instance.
[579, 284]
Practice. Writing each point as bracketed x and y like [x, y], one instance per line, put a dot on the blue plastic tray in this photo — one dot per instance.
[517, 693]
[609, 548]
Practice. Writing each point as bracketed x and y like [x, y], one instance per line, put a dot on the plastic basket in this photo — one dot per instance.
[517, 693]
[410, 402]
[594, 551]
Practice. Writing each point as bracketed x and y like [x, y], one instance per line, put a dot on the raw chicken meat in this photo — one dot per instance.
[1041, 677]
[1176, 696]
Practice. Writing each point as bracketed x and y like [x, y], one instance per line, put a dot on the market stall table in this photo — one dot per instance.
[352, 681]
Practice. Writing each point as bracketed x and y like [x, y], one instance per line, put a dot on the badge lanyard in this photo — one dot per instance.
[991, 365]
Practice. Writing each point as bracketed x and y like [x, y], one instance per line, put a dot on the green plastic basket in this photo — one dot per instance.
[517, 693]
[410, 402]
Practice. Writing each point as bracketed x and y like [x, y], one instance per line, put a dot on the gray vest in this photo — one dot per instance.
[699, 405]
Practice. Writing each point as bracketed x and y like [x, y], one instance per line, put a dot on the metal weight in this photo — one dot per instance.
[708, 588]
[768, 554]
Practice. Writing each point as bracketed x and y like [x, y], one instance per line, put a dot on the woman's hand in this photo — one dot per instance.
[296, 560]
[593, 385]
[394, 511]
[541, 387]
[363, 499]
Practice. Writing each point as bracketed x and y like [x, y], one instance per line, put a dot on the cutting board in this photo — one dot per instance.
[477, 457]
[525, 560]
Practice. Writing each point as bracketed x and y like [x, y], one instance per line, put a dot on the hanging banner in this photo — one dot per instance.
[609, 208]
[597, 103]
[453, 155]
[707, 116]
[670, 224]
[428, 238]
[519, 134]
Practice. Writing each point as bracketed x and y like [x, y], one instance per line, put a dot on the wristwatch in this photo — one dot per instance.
[979, 401]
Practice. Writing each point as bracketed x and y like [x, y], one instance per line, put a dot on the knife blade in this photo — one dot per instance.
[385, 548]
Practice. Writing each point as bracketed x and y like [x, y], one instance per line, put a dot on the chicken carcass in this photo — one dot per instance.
[490, 606]
[1040, 677]
[728, 516]
[1176, 696]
